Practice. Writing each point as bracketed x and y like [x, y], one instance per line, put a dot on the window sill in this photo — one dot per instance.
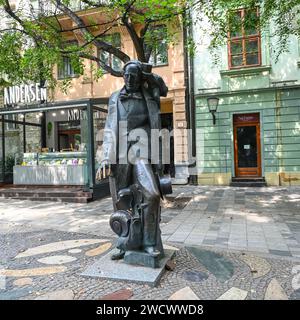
[87, 81]
[160, 65]
[245, 71]
[68, 77]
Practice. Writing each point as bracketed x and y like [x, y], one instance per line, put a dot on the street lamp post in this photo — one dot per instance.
[213, 103]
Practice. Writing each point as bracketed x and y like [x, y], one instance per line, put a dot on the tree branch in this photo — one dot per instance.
[87, 34]
[137, 41]
[102, 64]
[11, 13]
[92, 40]
[114, 22]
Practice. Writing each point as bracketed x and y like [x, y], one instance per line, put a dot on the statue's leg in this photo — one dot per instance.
[145, 178]
[122, 179]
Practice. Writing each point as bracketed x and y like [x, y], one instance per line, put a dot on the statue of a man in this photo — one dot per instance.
[133, 112]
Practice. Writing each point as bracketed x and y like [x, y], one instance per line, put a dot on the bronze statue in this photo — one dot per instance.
[136, 183]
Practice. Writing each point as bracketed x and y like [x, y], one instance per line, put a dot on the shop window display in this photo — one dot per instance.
[54, 158]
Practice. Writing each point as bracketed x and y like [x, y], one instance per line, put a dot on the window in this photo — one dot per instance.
[108, 58]
[66, 70]
[159, 54]
[244, 39]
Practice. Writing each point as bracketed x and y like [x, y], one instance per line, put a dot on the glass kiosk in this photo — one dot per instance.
[75, 166]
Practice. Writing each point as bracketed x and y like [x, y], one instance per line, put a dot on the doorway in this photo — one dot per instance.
[167, 123]
[69, 135]
[247, 147]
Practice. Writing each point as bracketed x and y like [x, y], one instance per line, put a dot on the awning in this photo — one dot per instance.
[49, 106]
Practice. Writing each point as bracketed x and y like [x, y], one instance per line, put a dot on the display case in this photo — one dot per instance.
[62, 158]
[29, 159]
[52, 168]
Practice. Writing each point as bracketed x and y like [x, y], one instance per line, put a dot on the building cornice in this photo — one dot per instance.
[247, 91]
[245, 71]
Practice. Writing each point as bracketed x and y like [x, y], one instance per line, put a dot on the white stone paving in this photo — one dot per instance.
[60, 259]
[65, 294]
[275, 291]
[234, 294]
[185, 293]
[58, 246]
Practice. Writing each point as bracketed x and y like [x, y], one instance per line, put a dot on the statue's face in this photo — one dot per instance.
[132, 78]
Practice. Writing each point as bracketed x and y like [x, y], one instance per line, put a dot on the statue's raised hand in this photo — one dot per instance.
[104, 170]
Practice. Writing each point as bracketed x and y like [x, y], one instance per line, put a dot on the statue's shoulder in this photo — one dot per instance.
[113, 98]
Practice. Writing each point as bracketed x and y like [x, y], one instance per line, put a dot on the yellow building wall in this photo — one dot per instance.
[173, 74]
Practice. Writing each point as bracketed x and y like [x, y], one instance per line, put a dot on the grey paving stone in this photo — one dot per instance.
[214, 228]
[296, 295]
[215, 263]
[14, 294]
[280, 252]
[194, 275]
[209, 242]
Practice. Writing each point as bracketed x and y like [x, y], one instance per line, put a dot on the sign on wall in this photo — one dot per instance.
[75, 114]
[24, 93]
[244, 118]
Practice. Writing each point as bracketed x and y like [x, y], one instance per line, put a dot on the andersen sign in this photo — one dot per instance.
[75, 114]
[24, 93]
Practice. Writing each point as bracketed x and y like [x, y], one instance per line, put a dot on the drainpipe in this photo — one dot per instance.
[189, 93]
[3, 148]
[278, 133]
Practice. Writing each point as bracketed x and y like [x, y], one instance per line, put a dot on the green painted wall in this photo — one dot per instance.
[280, 130]
[273, 90]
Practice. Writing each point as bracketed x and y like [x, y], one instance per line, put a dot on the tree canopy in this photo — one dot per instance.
[33, 35]
[281, 18]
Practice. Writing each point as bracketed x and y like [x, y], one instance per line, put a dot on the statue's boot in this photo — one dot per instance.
[150, 228]
[118, 256]
[152, 251]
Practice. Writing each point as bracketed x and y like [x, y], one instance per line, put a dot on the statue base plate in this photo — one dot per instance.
[142, 259]
[119, 270]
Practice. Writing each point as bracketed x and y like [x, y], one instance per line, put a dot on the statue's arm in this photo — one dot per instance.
[160, 83]
[157, 83]
[110, 132]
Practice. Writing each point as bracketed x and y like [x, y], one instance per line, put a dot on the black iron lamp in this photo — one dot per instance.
[213, 103]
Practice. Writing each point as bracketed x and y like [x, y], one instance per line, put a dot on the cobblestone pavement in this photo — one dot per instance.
[232, 243]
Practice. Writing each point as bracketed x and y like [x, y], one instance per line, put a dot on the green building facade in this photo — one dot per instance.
[257, 129]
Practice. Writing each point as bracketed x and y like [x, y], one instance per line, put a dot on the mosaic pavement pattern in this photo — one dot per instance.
[264, 220]
[46, 264]
[233, 243]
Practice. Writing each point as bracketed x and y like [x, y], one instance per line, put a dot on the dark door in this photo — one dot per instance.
[167, 123]
[247, 152]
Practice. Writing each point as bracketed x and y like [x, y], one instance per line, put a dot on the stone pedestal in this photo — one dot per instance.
[142, 259]
[105, 268]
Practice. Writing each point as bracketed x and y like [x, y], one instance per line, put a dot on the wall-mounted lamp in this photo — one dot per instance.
[213, 103]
